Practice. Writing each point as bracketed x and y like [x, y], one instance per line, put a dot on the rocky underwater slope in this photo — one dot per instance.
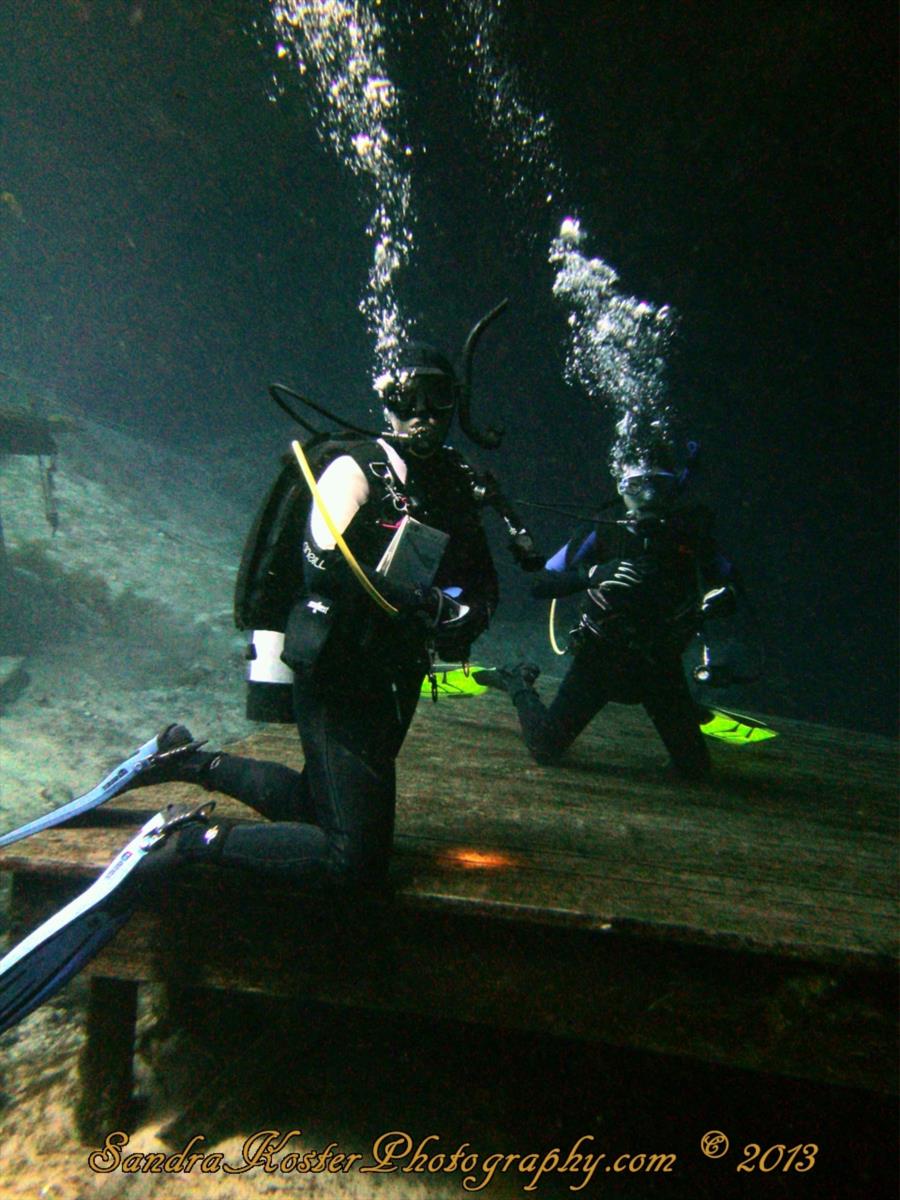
[121, 620]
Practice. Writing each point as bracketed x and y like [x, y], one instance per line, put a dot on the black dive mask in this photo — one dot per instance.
[414, 391]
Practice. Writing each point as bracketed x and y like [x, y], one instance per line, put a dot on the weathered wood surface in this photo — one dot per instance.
[790, 846]
[749, 920]
[23, 432]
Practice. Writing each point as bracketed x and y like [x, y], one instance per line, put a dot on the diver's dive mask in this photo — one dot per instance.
[643, 488]
[417, 390]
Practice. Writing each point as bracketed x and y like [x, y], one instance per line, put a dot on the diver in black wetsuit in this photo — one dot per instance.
[644, 598]
[357, 670]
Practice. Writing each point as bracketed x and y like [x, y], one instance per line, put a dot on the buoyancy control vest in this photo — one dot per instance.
[274, 572]
[648, 592]
[270, 575]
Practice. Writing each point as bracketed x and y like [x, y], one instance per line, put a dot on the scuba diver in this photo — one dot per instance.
[358, 668]
[647, 588]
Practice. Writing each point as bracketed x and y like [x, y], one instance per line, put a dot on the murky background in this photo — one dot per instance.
[200, 199]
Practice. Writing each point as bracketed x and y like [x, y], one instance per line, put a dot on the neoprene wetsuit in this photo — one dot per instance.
[355, 693]
[641, 594]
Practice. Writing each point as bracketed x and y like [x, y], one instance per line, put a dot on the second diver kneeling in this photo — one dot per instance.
[642, 604]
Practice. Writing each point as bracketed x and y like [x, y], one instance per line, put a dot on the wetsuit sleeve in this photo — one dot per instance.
[568, 570]
[549, 584]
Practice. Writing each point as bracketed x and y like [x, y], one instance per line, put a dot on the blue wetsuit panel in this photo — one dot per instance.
[562, 560]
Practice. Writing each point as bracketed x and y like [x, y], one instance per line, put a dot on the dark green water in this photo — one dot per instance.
[175, 240]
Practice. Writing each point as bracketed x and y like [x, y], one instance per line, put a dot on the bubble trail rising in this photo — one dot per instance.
[616, 347]
[617, 343]
[524, 139]
[338, 46]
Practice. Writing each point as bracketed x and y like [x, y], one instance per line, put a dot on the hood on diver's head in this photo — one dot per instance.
[424, 378]
[421, 358]
[420, 371]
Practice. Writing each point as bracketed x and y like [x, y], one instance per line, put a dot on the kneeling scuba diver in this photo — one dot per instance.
[649, 580]
[357, 671]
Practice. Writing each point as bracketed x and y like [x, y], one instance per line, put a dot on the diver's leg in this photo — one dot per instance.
[353, 783]
[274, 790]
[340, 810]
[549, 731]
[351, 736]
[674, 713]
[277, 792]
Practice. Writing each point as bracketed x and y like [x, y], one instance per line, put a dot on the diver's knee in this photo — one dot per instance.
[545, 755]
[353, 864]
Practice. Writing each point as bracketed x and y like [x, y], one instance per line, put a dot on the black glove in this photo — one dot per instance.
[459, 628]
[439, 611]
[522, 548]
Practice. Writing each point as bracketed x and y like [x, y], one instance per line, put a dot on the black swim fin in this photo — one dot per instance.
[49, 956]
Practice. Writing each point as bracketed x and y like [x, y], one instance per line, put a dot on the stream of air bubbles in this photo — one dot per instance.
[616, 343]
[338, 47]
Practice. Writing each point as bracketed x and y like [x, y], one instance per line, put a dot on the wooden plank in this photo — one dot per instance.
[772, 912]
[629, 985]
[770, 852]
[749, 920]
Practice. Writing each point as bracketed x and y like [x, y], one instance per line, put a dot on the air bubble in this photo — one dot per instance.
[340, 47]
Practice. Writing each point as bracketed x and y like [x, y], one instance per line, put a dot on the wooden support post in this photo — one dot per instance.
[106, 1069]
[4, 559]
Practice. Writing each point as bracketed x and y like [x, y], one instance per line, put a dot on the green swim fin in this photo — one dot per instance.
[455, 681]
[735, 728]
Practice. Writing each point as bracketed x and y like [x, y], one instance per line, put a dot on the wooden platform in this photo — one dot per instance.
[750, 921]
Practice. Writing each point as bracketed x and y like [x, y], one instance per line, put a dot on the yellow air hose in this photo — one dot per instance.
[557, 649]
[332, 529]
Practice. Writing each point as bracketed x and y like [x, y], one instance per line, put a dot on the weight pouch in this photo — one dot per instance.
[308, 627]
